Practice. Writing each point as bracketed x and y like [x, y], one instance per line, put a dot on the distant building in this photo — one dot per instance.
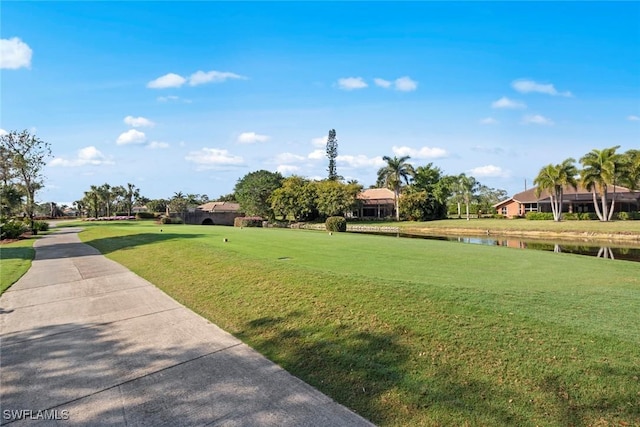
[578, 200]
[375, 203]
[214, 213]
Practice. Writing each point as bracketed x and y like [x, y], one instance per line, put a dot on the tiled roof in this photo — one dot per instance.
[220, 207]
[569, 193]
[377, 195]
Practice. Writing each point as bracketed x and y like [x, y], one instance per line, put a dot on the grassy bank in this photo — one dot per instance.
[589, 230]
[412, 332]
[15, 260]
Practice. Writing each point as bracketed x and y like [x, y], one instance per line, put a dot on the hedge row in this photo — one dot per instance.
[248, 221]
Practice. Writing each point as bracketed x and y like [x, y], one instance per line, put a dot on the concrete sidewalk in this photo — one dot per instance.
[85, 340]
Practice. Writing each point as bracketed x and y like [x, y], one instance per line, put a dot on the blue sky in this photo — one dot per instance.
[179, 96]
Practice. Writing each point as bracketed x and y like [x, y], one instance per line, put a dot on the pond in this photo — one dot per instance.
[610, 251]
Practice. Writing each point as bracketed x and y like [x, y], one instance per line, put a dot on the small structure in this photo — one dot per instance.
[375, 203]
[578, 200]
[214, 213]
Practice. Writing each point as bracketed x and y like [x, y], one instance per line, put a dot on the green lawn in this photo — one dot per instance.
[496, 225]
[15, 260]
[411, 332]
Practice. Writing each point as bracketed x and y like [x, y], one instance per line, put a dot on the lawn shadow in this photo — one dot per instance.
[374, 373]
[23, 253]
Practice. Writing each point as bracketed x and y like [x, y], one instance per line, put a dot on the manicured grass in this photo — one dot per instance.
[612, 227]
[15, 260]
[411, 332]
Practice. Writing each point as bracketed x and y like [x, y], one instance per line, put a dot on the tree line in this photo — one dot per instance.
[603, 172]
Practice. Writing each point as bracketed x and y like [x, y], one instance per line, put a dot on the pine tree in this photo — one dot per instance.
[332, 153]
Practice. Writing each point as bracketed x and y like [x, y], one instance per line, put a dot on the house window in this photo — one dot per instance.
[531, 207]
[504, 211]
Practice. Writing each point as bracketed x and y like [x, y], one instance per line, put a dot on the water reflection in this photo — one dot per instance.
[579, 248]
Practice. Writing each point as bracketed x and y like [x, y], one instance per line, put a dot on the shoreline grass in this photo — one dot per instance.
[411, 332]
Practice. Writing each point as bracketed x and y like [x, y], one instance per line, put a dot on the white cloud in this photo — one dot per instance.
[86, 156]
[537, 119]
[202, 77]
[288, 158]
[168, 80]
[317, 154]
[351, 83]
[153, 145]
[138, 122]
[488, 171]
[287, 169]
[402, 84]
[251, 138]
[528, 86]
[14, 54]
[405, 84]
[631, 118]
[320, 141]
[489, 121]
[421, 153]
[382, 83]
[211, 158]
[131, 136]
[3, 132]
[505, 102]
[360, 161]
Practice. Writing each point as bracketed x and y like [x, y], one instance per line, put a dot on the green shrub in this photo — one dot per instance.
[40, 226]
[145, 215]
[587, 216]
[248, 221]
[165, 220]
[11, 229]
[635, 215]
[498, 216]
[539, 216]
[336, 223]
[623, 216]
[572, 216]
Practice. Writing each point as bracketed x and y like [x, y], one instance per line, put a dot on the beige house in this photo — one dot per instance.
[214, 213]
[375, 203]
[574, 201]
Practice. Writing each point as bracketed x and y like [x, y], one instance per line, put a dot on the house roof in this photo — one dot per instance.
[569, 194]
[220, 207]
[376, 196]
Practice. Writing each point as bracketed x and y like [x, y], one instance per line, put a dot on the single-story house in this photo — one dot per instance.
[375, 203]
[574, 201]
[214, 213]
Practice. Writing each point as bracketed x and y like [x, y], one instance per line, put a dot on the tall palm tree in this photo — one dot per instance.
[392, 175]
[554, 178]
[632, 169]
[601, 169]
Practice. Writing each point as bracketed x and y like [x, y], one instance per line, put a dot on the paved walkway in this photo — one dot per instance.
[83, 338]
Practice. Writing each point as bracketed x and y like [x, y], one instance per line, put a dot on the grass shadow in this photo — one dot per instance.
[370, 372]
[107, 245]
[21, 253]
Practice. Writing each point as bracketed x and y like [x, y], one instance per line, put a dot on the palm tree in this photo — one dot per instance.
[131, 194]
[554, 179]
[632, 169]
[463, 188]
[601, 169]
[92, 200]
[392, 175]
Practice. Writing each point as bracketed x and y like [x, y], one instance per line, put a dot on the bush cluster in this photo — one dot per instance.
[40, 226]
[145, 215]
[539, 216]
[11, 229]
[336, 223]
[248, 221]
[169, 220]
